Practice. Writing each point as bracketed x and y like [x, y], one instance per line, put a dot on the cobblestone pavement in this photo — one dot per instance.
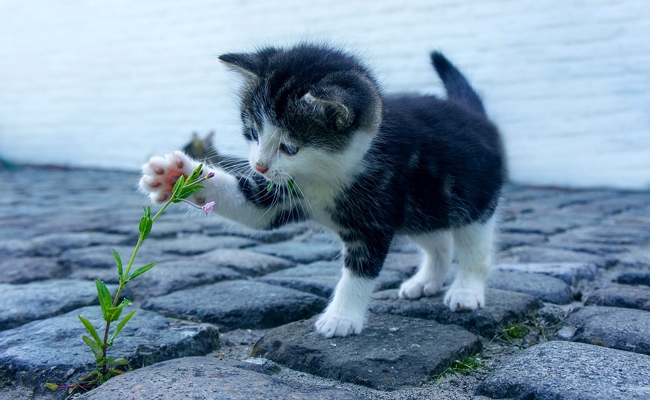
[228, 312]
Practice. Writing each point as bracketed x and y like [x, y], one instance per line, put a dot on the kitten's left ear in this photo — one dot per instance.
[252, 65]
[343, 116]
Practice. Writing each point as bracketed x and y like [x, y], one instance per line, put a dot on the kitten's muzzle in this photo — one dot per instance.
[261, 168]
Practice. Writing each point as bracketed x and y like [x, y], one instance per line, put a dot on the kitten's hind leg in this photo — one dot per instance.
[473, 245]
[437, 249]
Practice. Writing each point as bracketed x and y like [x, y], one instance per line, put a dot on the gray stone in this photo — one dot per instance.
[634, 278]
[502, 309]
[405, 263]
[570, 371]
[101, 257]
[548, 225]
[637, 260]
[621, 296]
[527, 255]
[246, 262]
[238, 304]
[28, 269]
[209, 378]
[551, 315]
[321, 277]
[618, 328]
[198, 244]
[613, 235]
[387, 355]
[223, 227]
[171, 276]
[12, 248]
[52, 350]
[68, 240]
[301, 252]
[545, 288]
[569, 272]
[509, 240]
[20, 304]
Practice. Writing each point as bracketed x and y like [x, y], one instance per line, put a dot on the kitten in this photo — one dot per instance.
[364, 165]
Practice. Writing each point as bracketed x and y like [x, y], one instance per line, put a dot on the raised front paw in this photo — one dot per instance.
[161, 173]
[331, 324]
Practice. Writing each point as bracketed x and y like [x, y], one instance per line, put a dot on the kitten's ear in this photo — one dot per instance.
[247, 64]
[208, 139]
[343, 116]
[251, 65]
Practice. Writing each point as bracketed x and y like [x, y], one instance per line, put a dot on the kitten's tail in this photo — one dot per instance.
[457, 87]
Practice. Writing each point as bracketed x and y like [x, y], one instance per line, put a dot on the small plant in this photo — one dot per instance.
[464, 366]
[112, 307]
[515, 331]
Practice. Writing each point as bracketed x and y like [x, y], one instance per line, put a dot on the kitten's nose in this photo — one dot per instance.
[261, 168]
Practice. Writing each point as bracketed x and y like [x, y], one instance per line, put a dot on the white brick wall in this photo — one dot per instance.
[110, 83]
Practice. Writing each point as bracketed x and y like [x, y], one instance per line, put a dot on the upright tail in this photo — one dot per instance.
[457, 87]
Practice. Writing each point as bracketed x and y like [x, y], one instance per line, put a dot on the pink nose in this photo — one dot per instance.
[261, 168]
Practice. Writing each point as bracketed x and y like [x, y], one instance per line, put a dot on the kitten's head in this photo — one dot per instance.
[309, 112]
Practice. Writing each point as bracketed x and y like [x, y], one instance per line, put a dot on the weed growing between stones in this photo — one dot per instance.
[515, 331]
[464, 366]
[108, 367]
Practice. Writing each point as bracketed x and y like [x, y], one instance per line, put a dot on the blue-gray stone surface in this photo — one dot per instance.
[570, 264]
[570, 371]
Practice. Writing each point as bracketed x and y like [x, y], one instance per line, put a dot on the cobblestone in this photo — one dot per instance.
[572, 266]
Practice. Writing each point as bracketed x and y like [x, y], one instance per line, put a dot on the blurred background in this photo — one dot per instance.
[108, 84]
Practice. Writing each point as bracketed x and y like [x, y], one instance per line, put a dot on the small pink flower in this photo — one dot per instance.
[208, 207]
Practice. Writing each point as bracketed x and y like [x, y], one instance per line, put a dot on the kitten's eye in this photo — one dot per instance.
[289, 150]
[255, 135]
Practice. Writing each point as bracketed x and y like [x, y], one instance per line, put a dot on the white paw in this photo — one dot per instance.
[161, 173]
[465, 297]
[416, 287]
[331, 324]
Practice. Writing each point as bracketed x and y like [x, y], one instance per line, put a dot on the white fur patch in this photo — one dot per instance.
[474, 252]
[346, 313]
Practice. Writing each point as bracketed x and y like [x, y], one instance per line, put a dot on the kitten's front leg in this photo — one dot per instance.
[160, 174]
[346, 313]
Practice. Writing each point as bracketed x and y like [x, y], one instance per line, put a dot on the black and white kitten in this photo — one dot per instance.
[364, 165]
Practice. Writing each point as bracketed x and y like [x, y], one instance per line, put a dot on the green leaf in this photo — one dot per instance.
[120, 326]
[120, 270]
[178, 186]
[125, 302]
[97, 350]
[141, 271]
[104, 298]
[269, 187]
[91, 329]
[188, 191]
[195, 175]
[52, 386]
[121, 361]
[291, 184]
[145, 226]
[114, 313]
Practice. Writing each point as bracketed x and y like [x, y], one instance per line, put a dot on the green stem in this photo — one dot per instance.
[135, 252]
[124, 280]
